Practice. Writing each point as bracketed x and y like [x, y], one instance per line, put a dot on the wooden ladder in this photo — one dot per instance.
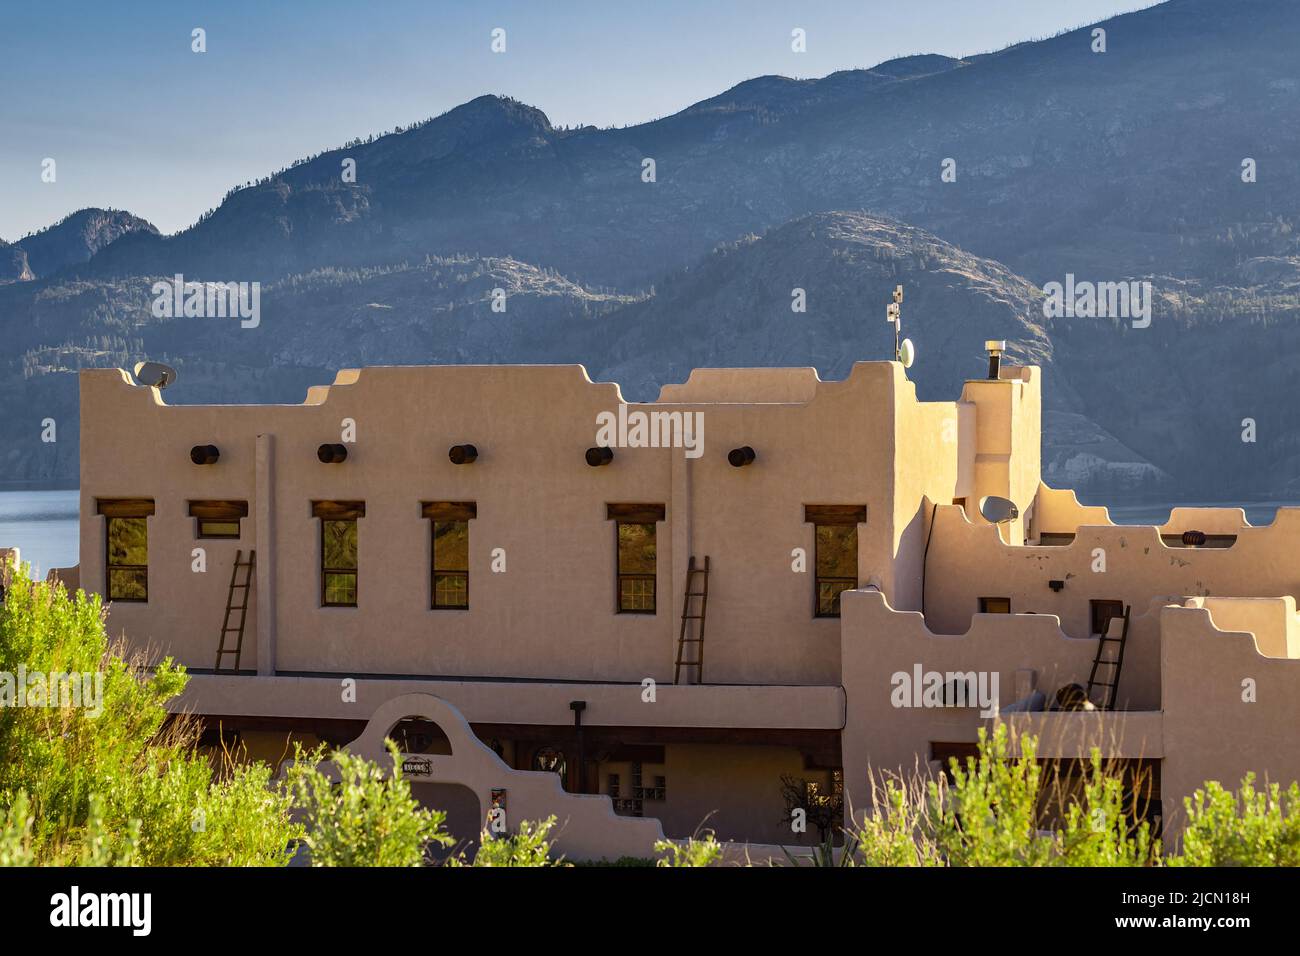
[1117, 662]
[242, 607]
[683, 639]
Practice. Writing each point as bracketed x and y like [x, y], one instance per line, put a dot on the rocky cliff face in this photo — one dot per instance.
[13, 264]
[74, 239]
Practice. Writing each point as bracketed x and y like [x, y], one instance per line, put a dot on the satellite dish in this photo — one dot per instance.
[154, 374]
[907, 353]
[998, 510]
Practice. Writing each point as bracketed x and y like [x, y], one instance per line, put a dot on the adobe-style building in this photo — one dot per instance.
[521, 547]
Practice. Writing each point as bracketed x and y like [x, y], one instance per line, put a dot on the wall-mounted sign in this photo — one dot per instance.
[417, 766]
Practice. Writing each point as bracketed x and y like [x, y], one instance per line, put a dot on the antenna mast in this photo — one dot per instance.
[893, 317]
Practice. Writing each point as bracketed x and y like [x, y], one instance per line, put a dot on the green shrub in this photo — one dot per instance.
[1249, 828]
[692, 852]
[528, 847]
[994, 811]
[367, 818]
[106, 783]
[1098, 831]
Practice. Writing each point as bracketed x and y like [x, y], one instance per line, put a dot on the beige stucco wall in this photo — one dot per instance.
[1272, 621]
[861, 441]
[798, 707]
[968, 561]
[1228, 708]
[552, 613]
[879, 642]
[586, 825]
[1223, 704]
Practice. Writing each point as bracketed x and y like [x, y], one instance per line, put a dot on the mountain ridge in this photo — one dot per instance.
[1109, 167]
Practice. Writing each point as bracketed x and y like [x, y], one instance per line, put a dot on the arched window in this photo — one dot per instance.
[414, 735]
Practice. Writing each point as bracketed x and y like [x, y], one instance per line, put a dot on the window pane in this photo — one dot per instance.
[450, 589]
[128, 541]
[128, 584]
[451, 545]
[340, 588]
[636, 594]
[218, 529]
[636, 548]
[837, 551]
[828, 595]
[339, 545]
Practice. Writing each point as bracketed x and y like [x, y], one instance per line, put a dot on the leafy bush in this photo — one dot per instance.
[1249, 828]
[692, 852]
[993, 814]
[368, 818]
[528, 847]
[106, 782]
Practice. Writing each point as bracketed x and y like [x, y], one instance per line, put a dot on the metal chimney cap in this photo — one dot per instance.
[995, 345]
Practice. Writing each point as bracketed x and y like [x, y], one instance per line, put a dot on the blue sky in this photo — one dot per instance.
[135, 120]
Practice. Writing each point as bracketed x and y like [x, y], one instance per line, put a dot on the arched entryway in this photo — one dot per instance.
[465, 817]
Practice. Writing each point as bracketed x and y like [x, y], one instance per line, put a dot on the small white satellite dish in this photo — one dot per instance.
[154, 374]
[907, 353]
[998, 510]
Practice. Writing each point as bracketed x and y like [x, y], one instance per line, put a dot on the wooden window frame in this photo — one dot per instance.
[225, 512]
[833, 516]
[984, 603]
[124, 508]
[339, 511]
[441, 512]
[635, 514]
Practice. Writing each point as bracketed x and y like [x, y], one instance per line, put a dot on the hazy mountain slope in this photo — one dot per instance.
[734, 309]
[311, 325]
[1120, 162]
[1124, 408]
[770, 96]
[75, 238]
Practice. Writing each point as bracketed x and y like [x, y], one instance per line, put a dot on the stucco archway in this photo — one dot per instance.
[586, 825]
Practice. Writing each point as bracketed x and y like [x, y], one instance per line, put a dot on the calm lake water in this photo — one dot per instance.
[1124, 511]
[43, 524]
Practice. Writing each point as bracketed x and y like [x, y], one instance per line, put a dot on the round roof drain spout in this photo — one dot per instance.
[740, 457]
[463, 454]
[204, 454]
[332, 454]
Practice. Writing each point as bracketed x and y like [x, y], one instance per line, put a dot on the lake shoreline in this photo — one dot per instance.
[16, 484]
